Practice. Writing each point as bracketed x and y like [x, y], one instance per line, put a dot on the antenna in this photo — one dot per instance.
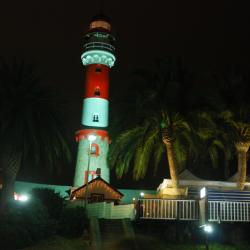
[101, 7]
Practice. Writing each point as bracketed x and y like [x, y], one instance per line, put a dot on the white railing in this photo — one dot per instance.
[99, 45]
[168, 209]
[228, 211]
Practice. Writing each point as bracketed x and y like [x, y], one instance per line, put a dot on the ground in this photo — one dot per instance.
[59, 243]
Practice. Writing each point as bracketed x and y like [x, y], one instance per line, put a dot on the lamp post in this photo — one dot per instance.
[91, 138]
[203, 205]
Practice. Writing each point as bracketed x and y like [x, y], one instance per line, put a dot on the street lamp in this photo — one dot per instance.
[91, 138]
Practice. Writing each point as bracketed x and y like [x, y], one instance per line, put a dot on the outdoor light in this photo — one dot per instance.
[91, 137]
[133, 198]
[142, 194]
[21, 197]
[208, 229]
[203, 193]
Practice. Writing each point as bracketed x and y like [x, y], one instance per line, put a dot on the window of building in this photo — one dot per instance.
[97, 92]
[98, 70]
[97, 197]
[95, 117]
[94, 149]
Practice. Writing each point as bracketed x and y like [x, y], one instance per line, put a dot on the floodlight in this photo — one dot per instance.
[208, 229]
[203, 193]
[91, 137]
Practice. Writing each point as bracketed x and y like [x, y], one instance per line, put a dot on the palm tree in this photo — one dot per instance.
[239, 129]
[160, 128]
[158, 135]
[164, 125]
[31, 127]
[211, 140]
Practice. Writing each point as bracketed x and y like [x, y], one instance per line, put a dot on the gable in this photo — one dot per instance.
[97, 186]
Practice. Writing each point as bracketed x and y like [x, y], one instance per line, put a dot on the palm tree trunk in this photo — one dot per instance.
[242, 149]
[11, 164]
[172, 164]
[7, 193]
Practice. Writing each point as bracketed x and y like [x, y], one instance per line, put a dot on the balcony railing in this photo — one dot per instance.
[168, 209]
[99, 45]
[237, 211]
[229, 211]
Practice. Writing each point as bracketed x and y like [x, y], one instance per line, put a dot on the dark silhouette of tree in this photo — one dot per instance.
[164, 121]
[31, 127]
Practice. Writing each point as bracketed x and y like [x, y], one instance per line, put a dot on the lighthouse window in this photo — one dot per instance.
[95, 118]
[97, 92]
[98, 70]
[94, 149]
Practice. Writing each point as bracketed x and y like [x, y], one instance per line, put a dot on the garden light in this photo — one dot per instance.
[208, 229]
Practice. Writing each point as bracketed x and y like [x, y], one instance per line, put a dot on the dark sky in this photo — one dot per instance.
[205, 34]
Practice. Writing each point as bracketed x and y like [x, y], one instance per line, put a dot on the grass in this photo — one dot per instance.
[211, 247]
[60, 243]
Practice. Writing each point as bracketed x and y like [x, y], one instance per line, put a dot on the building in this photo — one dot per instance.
[93, 140]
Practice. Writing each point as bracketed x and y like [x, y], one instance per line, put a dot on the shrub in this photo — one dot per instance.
[51, 200]
[24, 224]
[73, 221]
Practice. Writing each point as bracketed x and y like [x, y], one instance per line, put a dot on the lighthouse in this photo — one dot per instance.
[98, 57]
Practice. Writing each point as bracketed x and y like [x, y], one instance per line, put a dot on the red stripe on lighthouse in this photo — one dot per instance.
[97, 81]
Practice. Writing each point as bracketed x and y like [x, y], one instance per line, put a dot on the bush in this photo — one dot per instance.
[24, 224]
[51, 200]
[73, 221]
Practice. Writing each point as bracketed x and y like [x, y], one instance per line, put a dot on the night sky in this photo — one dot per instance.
[207, 35]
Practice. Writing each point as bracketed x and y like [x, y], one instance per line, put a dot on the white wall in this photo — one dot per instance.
[107, 210]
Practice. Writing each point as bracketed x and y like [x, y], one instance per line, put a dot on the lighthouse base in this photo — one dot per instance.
[91, 156]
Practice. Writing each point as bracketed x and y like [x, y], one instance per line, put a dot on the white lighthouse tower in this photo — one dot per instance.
[97, 57]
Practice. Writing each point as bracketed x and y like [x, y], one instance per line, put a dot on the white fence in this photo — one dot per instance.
[228, 211]
[234, 211]
[189, 210]
[168, 209]
[106, 210]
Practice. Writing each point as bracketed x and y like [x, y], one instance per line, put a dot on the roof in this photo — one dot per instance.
[220, 185]
[234, 178]
[102, 17]
[98, 179]
[187, 175]
[221, 195]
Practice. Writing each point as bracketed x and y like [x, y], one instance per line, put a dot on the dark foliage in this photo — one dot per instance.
[51, 200]
[31, 124]
[73, 222]
[24, 224]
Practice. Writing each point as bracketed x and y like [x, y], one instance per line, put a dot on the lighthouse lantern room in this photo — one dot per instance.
[97, 57]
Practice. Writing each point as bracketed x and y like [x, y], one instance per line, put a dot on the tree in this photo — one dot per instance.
[160, 127]
[212, 141]
[239, 130]
[146, 140]
[31, 127]
[166, 122]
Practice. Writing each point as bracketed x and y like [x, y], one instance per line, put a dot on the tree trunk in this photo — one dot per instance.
[171, 158]
[6, 194]
[11, 164]
[242, 148]
[172, 164]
